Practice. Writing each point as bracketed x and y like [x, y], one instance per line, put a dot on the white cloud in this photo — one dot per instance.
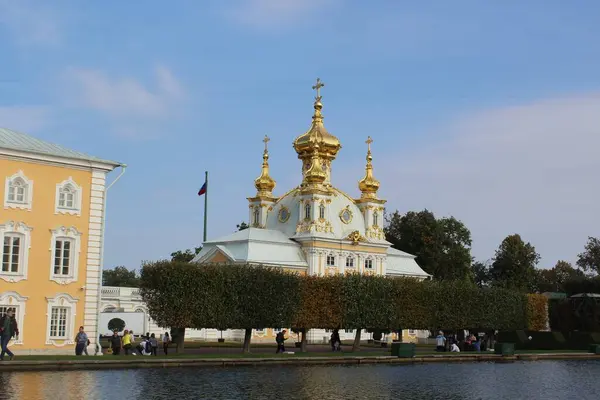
[24, 119]
[268, 13]
[30, 22]
[126, 97]
[531, 169]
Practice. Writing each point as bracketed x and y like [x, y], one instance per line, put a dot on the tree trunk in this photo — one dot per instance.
[247, 338]
[400, 332]
[356, 345]
[179, 339]
[303, 341]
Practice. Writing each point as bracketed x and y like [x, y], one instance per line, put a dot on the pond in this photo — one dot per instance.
[519, 380]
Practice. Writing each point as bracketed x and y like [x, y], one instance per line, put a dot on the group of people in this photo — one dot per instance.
[471, 343]
[147, 346]
[8, 330]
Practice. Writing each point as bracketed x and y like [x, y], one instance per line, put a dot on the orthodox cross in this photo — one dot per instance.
[318, 87]
[368, 142]
[265, 141]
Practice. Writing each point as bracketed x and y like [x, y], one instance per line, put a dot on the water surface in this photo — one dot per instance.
[519, 380]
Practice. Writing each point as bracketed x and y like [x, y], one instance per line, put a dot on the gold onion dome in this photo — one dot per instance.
[264, 183]
[369, 185]
[317, 136]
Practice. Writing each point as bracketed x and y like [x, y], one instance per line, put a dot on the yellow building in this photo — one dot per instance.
[52, 231]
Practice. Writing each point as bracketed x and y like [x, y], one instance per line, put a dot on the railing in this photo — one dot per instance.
[120, 292]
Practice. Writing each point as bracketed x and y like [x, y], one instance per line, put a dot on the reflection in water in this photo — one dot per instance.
[535, 380]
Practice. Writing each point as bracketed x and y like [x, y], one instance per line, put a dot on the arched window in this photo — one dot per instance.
[322, 211]
[18, 191]
[256, 217]
[375, 218]
[368, 263]
[68, 197]
[307, 211]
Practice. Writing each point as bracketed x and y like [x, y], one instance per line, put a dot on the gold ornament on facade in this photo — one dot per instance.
[369, 185]
[346, 215]
[355, 237]
[264, 183]
[284, 214]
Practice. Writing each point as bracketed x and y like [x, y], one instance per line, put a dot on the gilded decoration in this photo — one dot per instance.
[369, 185]
[312, 226]
[355, 237]
[346, 215]
[284, 214]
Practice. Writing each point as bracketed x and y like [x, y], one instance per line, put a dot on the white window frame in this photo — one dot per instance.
[74, 235]
[28, 184]
[350, 258]
[62, 300]
[375, 219]
[329, 257]
[16, 301]
[349, 331]
[307, 212]
[256, 217]
[24, 231]
[369, 261]
[77, 192]
[322, 211]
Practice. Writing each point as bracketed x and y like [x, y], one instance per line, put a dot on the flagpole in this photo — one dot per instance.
[205, 202]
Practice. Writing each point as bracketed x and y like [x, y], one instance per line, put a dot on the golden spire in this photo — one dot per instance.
[264, 183]
[327, 144]
[369, 185]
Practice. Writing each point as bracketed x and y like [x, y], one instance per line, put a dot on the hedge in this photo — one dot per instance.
[537, 312]
[252, 297]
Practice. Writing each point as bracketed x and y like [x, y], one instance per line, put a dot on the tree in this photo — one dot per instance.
[120, 276]
[241, 226]
[185, 256]
[116, 324]
[589, 260]
[481, 273]
[442, 246]
[514, 264]
[554, 279]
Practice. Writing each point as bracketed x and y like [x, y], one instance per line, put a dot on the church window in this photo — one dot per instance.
[330, 260]
[350, 262]
[322, 211]
[346, 216]
[307, 211]
[256, 217]
[18, 191]
[284, 215]
[375, 218]
[368, 263]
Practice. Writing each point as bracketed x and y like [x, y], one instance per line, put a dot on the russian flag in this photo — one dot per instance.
[202, 190]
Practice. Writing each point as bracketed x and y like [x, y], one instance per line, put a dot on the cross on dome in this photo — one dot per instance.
[265, 141]
[318, 87]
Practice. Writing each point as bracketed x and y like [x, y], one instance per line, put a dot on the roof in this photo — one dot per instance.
[256, 246]
[13, 140]
[400, 263]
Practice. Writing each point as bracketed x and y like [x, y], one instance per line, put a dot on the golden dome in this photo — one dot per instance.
[264, 183]
[317, 136]
[369, 185]
[314, 174]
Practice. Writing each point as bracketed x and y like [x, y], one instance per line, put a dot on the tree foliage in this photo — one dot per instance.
[116, 324]
[481, 272]
[442, 246]
[555, 279]
[537, 314]
[121, 277]
[514, 264]
[186, 255]
[222, 296]
[589, 260]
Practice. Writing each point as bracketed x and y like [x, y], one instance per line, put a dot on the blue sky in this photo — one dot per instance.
[488, 111]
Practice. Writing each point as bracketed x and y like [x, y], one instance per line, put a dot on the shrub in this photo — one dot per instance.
[116, 324]
[537, 312]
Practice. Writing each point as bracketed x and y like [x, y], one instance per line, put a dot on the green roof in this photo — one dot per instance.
[13, 140]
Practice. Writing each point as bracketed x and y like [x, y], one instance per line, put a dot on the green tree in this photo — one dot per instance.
[241, 226]
[481, 273]
[442, 246]
[514, 264]
[185, 256]
[120, 276]
[589, 260]
[554, 279]
[116, 324]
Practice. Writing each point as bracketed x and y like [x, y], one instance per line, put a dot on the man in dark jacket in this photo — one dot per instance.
[280, 339]
[8, 329]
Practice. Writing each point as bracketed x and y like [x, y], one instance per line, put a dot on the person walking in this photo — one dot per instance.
[81, 342]
[8, 329]
[280, 339]
[166, 339]
[115, 343]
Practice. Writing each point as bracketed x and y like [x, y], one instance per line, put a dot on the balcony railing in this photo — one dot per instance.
[120, 292]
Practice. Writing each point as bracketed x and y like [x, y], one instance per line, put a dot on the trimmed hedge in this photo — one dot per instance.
[537, 312]
[248, 297]
[549, 340]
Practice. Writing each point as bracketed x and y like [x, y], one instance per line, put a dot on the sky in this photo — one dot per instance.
[486, 111]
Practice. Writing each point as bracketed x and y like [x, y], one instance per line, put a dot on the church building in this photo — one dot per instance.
[315, 228]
